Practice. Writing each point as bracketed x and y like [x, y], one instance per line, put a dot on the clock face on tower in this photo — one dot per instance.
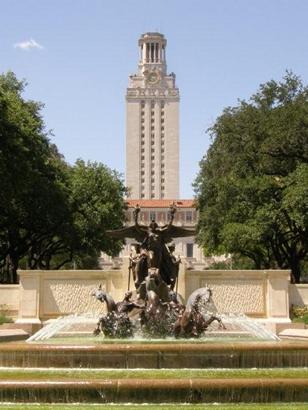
[152, 77]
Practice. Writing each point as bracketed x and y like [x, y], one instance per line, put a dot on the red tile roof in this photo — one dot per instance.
[161, 203]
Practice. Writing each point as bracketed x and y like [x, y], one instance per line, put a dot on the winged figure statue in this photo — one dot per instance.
[154, 252]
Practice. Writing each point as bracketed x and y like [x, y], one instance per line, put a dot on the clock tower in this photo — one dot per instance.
[152, 128]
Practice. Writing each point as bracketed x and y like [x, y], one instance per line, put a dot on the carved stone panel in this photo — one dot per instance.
[67, 296]
[238, 296]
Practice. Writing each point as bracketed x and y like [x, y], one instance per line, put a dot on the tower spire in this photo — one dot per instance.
[152, 51]
[152, 140]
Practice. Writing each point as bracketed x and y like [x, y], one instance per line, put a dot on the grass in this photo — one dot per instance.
[5, 319]
[302, 319]
[216, 406]
[90, 374]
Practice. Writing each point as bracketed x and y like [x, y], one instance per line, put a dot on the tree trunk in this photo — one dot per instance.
[295, 266]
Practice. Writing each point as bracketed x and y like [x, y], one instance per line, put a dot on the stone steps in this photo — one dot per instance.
[157, 355]
[13, 335]
[156, 391]
[71, 387]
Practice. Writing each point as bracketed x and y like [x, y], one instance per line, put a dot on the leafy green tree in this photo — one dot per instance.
[94, 203]
[29, 177]
[252, 187]
[50, 213]
[97, 205]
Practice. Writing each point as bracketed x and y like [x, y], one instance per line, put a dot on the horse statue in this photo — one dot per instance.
[158, 309]
[116, 322]
[192, 323]
[156, 317]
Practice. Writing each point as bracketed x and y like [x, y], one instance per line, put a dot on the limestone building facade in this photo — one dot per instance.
[152, 125]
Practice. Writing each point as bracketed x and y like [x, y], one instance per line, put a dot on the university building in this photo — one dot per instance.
[152, 147]
[152, 125]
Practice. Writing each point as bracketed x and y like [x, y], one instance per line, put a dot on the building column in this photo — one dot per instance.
[147, 150]
[157, 150]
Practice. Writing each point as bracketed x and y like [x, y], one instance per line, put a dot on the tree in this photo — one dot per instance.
[97, 205]
[252, 187]
[50, 212]
[30, 178]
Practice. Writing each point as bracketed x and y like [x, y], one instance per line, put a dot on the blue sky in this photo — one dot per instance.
[220, 50]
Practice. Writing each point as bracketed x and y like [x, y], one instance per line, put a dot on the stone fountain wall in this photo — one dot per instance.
[256, 293]
[49, 294]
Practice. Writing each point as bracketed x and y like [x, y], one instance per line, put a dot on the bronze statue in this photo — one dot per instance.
[157, 310]
[191, 323]
[153, 253]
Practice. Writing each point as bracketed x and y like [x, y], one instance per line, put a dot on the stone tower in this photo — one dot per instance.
[152, 128]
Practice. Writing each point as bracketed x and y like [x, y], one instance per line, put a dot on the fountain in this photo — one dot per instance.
[157, 309]
[151, 347]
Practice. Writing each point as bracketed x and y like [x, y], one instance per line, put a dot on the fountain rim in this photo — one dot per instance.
[163, 347]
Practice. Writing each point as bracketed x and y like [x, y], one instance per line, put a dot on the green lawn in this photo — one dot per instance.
[278, 406]
[89, 374]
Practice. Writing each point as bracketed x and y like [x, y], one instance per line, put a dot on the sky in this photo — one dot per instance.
[76, 56]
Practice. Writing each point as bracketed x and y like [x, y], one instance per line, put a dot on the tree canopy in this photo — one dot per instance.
[50, 212]
[252, 187]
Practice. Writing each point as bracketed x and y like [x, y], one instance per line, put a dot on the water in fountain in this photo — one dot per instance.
[60, 325]
[78, 327]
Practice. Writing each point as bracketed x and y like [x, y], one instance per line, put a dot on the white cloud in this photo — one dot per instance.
[28, 45]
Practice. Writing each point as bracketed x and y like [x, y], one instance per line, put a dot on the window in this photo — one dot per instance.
[162, 150]
[189, 250]
[142, 157]
[152, 179]
[152, 150]
[142, 149]
[152, 157]
[142, 142]
[152, 128]
[142, 195]
[152, 113]
[152, 142]
[152, 120]
[189, 216]
[142, 180]
[162, 128]
[152, 216]
[142, 172]
[162, 180]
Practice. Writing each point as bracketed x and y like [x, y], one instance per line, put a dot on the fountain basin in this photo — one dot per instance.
[174, 354]
[166, 390]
